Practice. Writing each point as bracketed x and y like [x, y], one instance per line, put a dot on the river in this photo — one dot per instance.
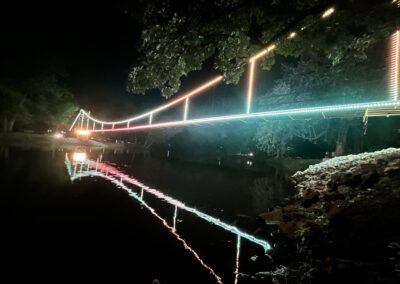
[119, 215]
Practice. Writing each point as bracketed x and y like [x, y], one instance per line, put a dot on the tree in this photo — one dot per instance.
[13, 107]
[43, 102]
[53, 104]
[312, 81]
[179, 36]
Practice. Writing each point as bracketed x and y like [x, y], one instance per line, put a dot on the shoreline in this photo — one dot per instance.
[343, 225]
[32, 140]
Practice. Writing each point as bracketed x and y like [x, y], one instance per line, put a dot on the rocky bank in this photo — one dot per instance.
[343, 226]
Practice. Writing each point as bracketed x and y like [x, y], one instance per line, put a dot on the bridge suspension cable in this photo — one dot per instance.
[384, 107]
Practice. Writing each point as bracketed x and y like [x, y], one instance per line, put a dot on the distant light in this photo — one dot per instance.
[79, 156]
[58, 135]
[292, 35]
[82, 132]
[251, 154]
[328, 12]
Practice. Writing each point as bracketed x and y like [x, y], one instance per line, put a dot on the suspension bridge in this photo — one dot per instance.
[85, 123]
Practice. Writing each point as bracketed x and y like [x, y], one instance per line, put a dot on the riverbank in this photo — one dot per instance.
[343, 225]
[260, 165]
[31, 140]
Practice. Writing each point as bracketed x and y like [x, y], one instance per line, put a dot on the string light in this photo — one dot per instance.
[263, 52]
[250, 86]
[328, 12]
[395, 65]
[267, 114]
[237, 260]
[163, 107]
[291, 35]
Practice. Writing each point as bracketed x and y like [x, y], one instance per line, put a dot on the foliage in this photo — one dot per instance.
[52, 103]
[180, 36]
[13, 106]
[43, 102]
[312, 81]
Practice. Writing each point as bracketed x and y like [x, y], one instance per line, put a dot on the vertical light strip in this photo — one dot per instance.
[76, 119]
[151, 118]
[175, 214]
[250, 86]
[83, 117]
[237, 260]
[394, 65]
[87, 122]
[185, 112]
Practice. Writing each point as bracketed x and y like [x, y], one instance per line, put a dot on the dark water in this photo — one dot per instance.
[90, 229]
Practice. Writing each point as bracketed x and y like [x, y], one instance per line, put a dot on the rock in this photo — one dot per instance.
[293, 228]
[343, 189]
[274, 217]
[309, 199]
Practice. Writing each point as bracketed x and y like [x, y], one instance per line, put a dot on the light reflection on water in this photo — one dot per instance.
[88, 168]
[85, 220]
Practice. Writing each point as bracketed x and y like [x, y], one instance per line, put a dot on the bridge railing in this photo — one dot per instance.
[84, 120]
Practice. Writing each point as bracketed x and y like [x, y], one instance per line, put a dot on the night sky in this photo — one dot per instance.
[94, 42]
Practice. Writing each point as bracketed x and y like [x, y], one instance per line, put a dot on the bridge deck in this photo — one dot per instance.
[362, 110]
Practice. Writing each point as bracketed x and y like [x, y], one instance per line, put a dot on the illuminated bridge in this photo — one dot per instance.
[86, 123]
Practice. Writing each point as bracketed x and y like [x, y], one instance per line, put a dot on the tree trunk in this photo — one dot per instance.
[5, 124]
[11, 125]
[341, 139]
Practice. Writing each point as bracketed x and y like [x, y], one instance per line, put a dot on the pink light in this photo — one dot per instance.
[395, 65]
[174, 102]
[191, 93]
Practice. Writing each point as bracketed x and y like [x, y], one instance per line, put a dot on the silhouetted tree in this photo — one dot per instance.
[179, 36]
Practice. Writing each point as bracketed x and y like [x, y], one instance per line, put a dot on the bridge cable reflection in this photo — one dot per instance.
[100, 169]
[151, 210]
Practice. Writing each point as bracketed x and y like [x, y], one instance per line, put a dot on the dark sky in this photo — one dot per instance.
[94, 42]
